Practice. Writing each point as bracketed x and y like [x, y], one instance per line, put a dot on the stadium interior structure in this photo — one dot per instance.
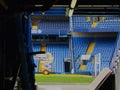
[59, 37]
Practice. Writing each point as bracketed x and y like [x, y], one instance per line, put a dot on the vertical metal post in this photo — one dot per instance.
[24, 74]
[117, 74]
[70, 43]
[97, 64]
[117, 46]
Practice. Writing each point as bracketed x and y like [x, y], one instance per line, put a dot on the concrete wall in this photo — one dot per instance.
[76, 34]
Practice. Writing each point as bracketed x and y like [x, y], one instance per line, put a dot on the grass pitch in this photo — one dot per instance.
[64, 78]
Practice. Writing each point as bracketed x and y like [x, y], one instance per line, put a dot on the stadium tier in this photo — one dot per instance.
[104, 46]
[52, 25]
[60, 25]
[96, 24]
[81, 46]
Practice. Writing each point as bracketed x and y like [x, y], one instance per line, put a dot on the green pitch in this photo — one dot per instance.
[64, 78]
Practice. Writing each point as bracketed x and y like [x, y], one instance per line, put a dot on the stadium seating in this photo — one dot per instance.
[36, 48]
[80, 46]
[108, 24]
[104, 46]
[81, 23]
[52, 25]
[59, 51]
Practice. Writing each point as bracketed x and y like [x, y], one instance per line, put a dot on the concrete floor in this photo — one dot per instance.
[62, 86]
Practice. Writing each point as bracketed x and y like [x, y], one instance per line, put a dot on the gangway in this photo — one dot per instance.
[88, 52]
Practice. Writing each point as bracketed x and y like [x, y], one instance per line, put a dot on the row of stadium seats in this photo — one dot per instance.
[53, 27]
[109, 24]
[111, 17]
[83, 18]
[91, 18]
[82, 25]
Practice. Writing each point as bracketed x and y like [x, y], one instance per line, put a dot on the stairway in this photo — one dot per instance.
[102, 18]
[82, 67]
[90, 48]
[94, 24]
[93, 60]
[88, 19]
[89, 51]
[43, 47]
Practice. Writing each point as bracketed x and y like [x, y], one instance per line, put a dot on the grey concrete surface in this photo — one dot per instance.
[62, 86]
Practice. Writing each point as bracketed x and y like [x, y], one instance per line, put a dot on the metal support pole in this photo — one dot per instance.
[117, 74]
[70, 45]
[24, 66]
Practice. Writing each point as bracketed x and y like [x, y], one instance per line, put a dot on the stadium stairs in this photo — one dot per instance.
[91, 48]
[105, 46]
[88, 19]
[94, 24]
[92, 60]
[89, 51]
[43, 47]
